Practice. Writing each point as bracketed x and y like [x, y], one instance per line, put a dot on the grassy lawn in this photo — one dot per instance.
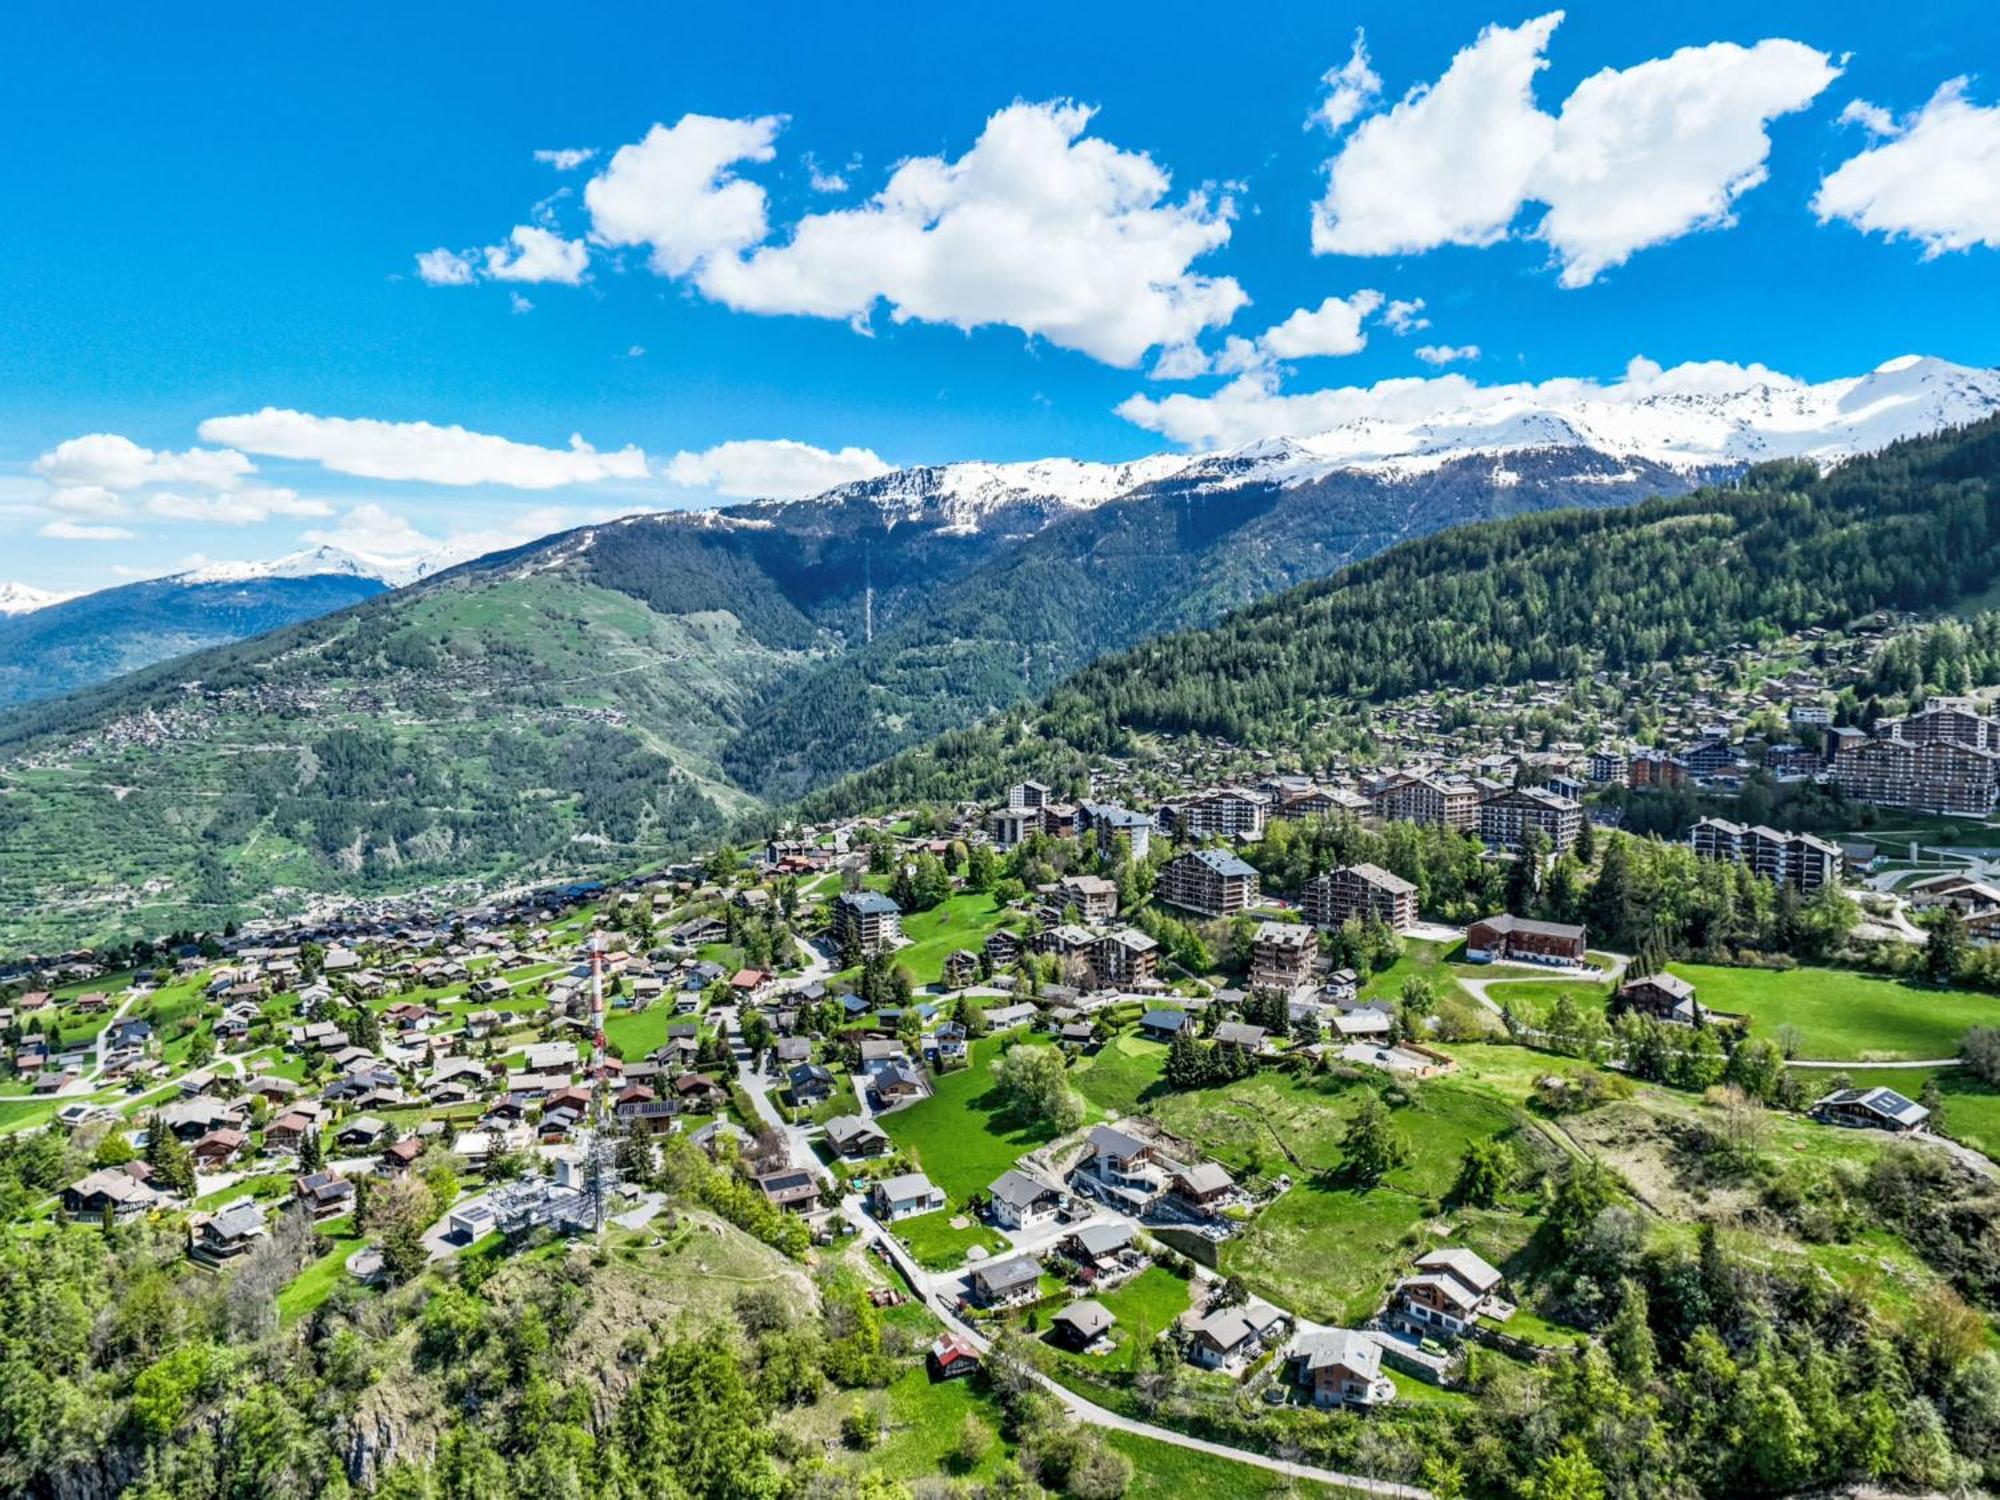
[940, 1247]
[316, 1282]
[966, 1134]
[1325, 1249]
[635, 1034]
[1145, 1307]
[1842, 1016]
[962, 922]
[1428, 960]
[1532, 999]
[1118, 1076]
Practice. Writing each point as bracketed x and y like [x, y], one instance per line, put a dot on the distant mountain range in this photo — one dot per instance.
[609, 695]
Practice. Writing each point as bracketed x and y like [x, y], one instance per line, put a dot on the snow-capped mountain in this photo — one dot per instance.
[1670, 420]
[24, 599]
[1695, 419]
[317, 562]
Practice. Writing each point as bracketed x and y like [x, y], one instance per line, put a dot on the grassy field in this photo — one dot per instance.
[1145, 1307]
[962, 922]
[938, 1246]
[1326, 1249]
[1428, 960]
[1842, 1016]
[316, 1282]
[966, 1134]
[1531, 999]
[1118, 1077]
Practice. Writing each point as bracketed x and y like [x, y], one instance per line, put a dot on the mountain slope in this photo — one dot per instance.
[615, 695]
[1181, 552]
[72, 643]
[1540, 597]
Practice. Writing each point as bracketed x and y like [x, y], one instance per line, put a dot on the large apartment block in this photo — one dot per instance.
[1360, 891]
[1282, 955]
[1953, 721]
[1229, 812]
[1504, 821]
[1111, 825]
[1934, 775]
[1208, 881]
[866, 920]
[1795, 859]
[1425, 799]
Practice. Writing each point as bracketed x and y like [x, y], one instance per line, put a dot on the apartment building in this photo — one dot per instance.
[1505, 820]
[1228, 812]
[1123, 959]
[1282, 955]
[1208, 881]
[1655, 768]
[1360, 891]
[1929, 775]
[1112, 826]
[1794, 859]
[866, 920]
[1426, 799]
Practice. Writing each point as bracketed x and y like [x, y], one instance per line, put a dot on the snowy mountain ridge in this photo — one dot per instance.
[25, 599]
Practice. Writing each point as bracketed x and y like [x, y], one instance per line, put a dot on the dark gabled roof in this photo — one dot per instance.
[1508, 922]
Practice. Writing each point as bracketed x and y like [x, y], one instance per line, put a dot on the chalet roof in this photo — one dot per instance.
[1087, 1319]
[1507, 922]
[1007, 1275]
[1341, 1348]
[1220, 861]
[1468, 1266]
[1019, 1190]
[1885, 1102]
[1103, 1239]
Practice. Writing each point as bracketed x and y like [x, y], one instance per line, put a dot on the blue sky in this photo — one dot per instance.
[216, 213]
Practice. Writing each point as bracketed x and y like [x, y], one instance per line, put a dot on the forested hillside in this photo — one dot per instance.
[606, 698]
[1914, 528]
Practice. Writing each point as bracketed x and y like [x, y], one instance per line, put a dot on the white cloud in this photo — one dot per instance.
[637, 351]
[1636, 157]
[86, 500]
[420, 450]
[1037, 227]
[1446, 354]
[1405, 317]
[76, 531]
[442, 267]
[245, 507]
[1350, 88]
[1666, 148]
[566, 159]
[117, 463]
[1448, 164]
[1253, 407]
[823, 179]
[535, 254]
[676, 193]
[775, 469]
[1334, 327]
[1179, 362]
[1935, 178]
[519, 304]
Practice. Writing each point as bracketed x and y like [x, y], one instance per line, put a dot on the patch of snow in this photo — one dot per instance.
[25, 599]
